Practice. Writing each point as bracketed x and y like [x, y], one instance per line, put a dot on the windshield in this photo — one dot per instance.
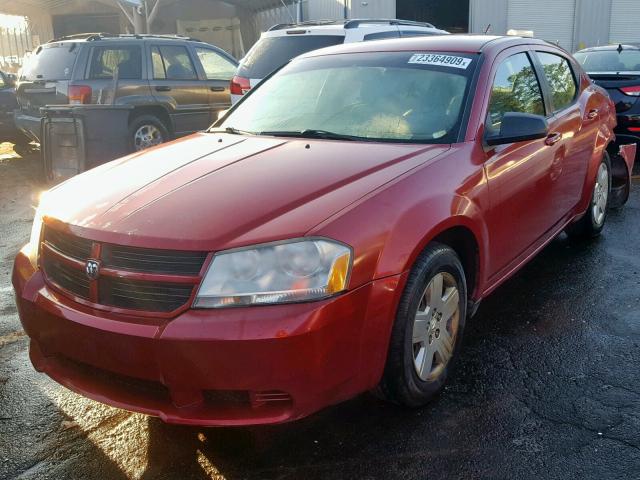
[609, 61]
[270, 53]
[53, 61]
[397, 96]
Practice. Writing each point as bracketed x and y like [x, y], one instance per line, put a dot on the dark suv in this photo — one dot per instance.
[177, 84]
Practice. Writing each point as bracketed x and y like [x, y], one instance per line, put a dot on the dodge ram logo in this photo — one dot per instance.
[92, 269]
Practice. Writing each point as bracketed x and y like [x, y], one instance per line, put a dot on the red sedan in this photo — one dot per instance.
[329, 236]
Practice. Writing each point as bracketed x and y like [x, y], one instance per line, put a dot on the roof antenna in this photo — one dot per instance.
[619, 49]
[486, 30]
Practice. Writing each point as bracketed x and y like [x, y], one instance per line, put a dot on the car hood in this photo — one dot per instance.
[217, 191]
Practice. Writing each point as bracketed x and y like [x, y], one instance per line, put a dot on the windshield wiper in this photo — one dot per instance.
[231, 130]
[311, 133]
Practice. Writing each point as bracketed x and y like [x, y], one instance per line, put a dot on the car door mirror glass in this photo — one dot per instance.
[519, 127]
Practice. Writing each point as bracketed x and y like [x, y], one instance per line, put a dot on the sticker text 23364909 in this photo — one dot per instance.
[440, 60]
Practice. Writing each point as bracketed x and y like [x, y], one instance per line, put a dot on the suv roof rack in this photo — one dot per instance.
[82, 36]
[390, 21]
[355, 23]
[89, 37]
[309, 23]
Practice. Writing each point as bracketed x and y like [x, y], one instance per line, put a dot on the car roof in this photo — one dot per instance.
[445, 43]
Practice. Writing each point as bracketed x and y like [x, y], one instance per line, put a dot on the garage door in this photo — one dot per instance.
[551, 20]
[624, 21]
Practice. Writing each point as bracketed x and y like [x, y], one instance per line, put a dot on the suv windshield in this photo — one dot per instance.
[396, 96]
[271, 53]
[53, 61]
[609, 61]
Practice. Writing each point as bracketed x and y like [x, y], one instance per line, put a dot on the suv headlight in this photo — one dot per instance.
[293, 271]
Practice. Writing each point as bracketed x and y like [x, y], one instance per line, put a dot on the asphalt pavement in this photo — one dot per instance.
[547, 386]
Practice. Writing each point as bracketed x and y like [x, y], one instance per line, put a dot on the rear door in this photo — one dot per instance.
[44, 79]
[175, 84]
[218, 69]
[574, 135]
[104, 60]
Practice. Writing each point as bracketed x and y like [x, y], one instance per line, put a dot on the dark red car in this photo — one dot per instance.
[329, 236]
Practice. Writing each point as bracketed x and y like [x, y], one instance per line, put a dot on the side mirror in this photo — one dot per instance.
[519, 127]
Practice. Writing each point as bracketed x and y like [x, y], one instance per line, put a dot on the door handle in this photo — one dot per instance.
[162, 88]
[553, 138]
[217, 89]
[593, 114]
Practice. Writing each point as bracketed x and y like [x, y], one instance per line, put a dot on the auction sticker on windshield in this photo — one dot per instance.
[440, 60]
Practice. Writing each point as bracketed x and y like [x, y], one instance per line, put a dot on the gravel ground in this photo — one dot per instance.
[547, 387]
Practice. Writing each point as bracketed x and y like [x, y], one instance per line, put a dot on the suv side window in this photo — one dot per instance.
[216, 67]
[381, 35]
[560, 78]
[172, 63]
[416, 33]
[515, 89]
[105, 60]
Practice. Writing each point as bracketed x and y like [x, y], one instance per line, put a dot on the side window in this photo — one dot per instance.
[381, 35]
[560, 78]
[515, 89]
[172, 63]
[216, 67]
[416, 33]
[105, 60]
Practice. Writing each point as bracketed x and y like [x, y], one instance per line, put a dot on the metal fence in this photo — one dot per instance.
[15, 45]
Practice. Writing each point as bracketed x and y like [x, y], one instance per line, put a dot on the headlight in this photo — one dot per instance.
[32, 248]
[294, 271]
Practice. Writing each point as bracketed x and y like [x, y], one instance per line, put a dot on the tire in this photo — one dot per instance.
[146, 131]
[592, 223]
[420, 324]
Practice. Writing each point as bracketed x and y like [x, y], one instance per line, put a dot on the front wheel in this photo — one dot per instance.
[592, 223]
[428, 328]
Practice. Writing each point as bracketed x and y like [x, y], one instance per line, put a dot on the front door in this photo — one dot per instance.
[175, 84]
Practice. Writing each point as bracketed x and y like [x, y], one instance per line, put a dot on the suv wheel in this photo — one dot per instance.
[147, 131]
[428, 328]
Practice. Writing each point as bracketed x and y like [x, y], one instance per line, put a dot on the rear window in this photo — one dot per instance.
[271, 53]
[609, 61]
[53, 61]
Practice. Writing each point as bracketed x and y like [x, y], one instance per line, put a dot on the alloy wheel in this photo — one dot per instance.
[600, 195]
[147, 136]
[435, 326]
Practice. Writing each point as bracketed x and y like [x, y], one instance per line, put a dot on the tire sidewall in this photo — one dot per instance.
[410, 388]
[595, 228]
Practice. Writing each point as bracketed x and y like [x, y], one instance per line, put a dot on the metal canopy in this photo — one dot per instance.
[13, 6]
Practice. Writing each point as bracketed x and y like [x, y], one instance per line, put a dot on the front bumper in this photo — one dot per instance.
[235, 366]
